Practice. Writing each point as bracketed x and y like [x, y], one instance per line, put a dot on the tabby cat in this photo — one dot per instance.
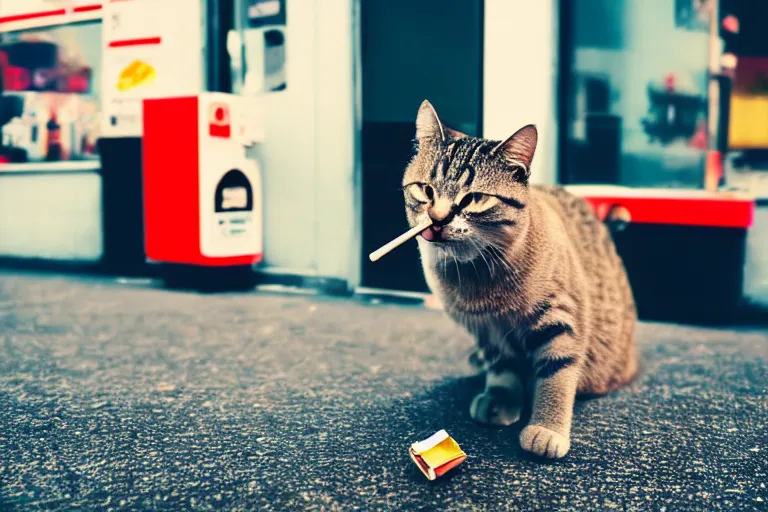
[529, 270]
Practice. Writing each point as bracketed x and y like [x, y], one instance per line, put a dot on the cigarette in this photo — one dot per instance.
[397, 242]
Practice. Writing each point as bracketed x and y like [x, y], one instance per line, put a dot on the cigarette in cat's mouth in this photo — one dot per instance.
[397, 242]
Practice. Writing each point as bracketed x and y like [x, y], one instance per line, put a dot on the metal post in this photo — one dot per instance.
[713, 171]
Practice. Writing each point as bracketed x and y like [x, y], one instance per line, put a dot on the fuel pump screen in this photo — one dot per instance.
[235, 197]
[234, 205]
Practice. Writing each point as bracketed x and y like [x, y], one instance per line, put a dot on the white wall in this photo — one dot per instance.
[53, 216]
[310, 221]
[336, 218]
[520, 73]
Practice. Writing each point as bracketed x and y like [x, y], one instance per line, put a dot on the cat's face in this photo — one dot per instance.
[475, 190]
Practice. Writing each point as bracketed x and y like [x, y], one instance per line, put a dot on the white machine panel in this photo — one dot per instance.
[230, 184]
[152, 49]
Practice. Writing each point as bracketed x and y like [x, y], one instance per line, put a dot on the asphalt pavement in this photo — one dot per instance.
[129, 397]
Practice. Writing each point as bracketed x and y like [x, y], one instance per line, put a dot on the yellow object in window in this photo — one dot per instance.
[135, 74]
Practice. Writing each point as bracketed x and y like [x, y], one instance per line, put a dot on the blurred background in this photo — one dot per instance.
[660, 106]
[155, 151]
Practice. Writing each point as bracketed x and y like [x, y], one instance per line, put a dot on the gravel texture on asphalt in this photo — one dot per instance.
[128, 397]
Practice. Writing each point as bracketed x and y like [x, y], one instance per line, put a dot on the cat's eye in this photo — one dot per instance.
[468, 199]
[421, 192]
[476, 202]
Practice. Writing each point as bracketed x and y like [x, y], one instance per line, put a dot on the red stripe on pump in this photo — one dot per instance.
[32, 15]
[87, 8]
[135, 42]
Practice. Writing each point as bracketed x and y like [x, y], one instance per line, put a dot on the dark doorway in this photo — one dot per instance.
[411, 51]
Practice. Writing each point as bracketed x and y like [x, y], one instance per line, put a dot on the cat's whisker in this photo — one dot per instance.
[458, 272]
[504, 338]
[482, 255]
[501, 255]
[498, 255]
[480, 251]
[502, 264]
[472, 261]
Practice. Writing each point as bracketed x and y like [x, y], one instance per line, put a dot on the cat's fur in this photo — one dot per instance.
[529, 270]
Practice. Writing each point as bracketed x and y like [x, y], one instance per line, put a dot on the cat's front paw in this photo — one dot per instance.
[497, 407]
[544, 442]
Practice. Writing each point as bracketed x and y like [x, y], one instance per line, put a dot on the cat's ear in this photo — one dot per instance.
[518, 149]
[429, 127]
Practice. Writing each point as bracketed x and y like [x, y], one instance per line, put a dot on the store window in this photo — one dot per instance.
[635, 97]
[49, 94]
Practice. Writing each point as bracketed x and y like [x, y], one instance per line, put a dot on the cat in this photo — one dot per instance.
[529, 270]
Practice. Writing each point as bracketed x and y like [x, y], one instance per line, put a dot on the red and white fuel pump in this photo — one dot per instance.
[180, 194]
[202, 196]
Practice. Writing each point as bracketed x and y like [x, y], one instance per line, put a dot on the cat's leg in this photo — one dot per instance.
[477, 360]
[556, 373]
[502, 401]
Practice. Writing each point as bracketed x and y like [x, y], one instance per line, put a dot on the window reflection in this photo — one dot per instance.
[49, 89]
[636, 99]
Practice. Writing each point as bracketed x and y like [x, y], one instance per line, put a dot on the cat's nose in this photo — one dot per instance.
[440, 212]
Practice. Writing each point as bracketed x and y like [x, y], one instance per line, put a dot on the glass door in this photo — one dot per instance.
[411, 51]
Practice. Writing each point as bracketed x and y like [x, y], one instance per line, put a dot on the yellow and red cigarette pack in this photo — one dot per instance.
[437, 454]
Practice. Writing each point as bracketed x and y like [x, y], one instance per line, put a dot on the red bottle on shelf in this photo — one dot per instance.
[53, 153]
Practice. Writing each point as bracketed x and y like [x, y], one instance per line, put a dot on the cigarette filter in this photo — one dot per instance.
[437, 454]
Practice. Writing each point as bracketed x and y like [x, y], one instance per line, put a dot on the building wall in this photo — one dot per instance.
[308, 158]
[54, 216]
[520, 76]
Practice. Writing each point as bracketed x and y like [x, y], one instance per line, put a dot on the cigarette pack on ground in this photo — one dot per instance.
[437, 454]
